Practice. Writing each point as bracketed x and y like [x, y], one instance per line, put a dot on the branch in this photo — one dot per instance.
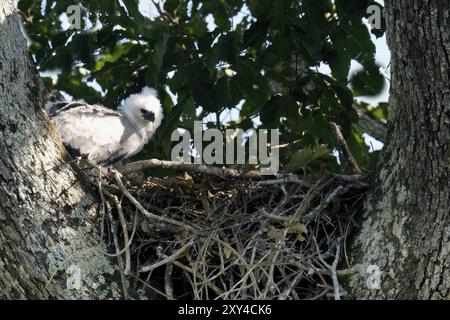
[345, 150]
[116, 244]
[321, 207]
[164, 14]
[191, 167]
[168, 286]
[285, 179]
[130, 240]
[337, 294]
[168, 259]
[125, 236]
[339, 273]
[358, 178]
[367, 123]
[275, 217]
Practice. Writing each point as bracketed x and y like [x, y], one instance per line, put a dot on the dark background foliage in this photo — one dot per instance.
[267, 63]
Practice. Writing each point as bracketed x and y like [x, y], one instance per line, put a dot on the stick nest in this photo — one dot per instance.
[234, 238]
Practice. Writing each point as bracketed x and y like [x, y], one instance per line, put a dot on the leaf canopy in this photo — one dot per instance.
[257, 58]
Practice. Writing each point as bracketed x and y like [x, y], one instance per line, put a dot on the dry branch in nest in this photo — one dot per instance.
[201, 236]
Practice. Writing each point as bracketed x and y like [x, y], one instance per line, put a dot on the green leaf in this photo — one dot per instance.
[156, 61]
[195, 27]
[252, 85]
[358, 148]
[338, 58]
[133, 9]
[354, 39]
[381, 112]
[270, 114]
[113, 56]
[225, 94]
[351, 10]
[256, 34]
[259, 7]
[303, 157]
[205, 96]
[315, 21]
[188, 115]
[368, 82]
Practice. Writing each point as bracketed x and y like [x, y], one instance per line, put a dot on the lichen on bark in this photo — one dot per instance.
[403, 231]
[49, 221]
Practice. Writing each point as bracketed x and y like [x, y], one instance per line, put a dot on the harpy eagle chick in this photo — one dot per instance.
[104, 136]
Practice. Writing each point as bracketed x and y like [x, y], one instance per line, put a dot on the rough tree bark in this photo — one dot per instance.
[406, 231]
[49, 225]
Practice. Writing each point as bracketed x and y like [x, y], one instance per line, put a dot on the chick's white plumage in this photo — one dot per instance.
[104, 136]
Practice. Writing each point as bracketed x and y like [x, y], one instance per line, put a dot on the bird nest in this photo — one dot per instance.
[202, 236]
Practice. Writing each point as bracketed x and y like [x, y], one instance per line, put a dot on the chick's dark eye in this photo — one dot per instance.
[148, 115]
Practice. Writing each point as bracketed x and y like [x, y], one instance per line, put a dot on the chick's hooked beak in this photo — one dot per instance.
[148, 115]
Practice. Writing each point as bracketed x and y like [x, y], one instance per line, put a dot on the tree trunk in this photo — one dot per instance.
[406, 231]
[49, 225]
[50, 244]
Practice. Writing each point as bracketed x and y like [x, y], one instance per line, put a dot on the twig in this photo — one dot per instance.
[244, 278]
[271, 286]
[116, 244]
[211, 285]
[293, 284]
[309, 197]
[343, 147]
[145, 284]
[126, 239]
[339, 273]
[168, 286]
[337, 295]
[102, 206]
[164, 14]
[130, 241]
[324, 292]
[298, 213]
[285, 179]
[240, 258]
[275, 217]
[333, 267]
[168, 259]
[145, 212]
[330, 197]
